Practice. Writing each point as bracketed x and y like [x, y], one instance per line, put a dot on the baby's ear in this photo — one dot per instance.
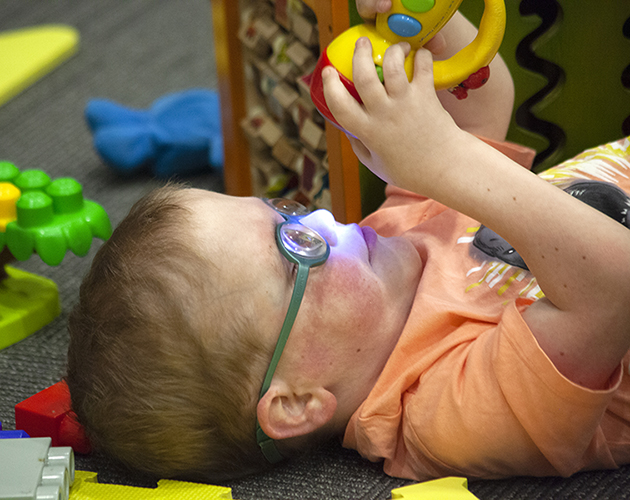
[284, 412]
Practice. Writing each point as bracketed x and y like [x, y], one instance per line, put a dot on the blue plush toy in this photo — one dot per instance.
[179, 134]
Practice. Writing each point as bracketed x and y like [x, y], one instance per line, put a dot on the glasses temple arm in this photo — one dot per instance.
[267, 444]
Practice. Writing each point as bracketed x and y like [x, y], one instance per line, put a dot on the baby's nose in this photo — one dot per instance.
[324, 223]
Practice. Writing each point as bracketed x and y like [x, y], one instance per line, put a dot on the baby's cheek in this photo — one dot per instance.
[355, 301]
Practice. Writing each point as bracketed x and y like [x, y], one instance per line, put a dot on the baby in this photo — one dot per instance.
[215, 335]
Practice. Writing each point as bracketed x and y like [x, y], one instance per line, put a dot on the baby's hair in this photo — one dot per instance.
[162, 374]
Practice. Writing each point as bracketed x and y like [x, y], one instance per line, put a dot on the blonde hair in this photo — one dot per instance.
[162, 375]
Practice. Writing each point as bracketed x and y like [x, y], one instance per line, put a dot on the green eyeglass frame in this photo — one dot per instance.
[292, 212]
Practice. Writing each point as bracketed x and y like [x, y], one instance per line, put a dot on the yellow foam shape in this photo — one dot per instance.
[27, 303]
[447, 488]
[86, 487]
[28, 54]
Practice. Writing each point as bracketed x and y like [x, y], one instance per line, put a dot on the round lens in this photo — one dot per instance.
[288, 207]
[303, 241]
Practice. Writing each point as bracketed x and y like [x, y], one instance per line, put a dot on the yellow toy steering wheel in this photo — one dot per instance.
[416, 22]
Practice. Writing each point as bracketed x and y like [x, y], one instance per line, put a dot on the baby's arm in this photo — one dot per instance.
[407, 138]
[486, 111]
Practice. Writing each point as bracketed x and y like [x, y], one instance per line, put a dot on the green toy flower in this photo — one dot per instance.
[48, 217]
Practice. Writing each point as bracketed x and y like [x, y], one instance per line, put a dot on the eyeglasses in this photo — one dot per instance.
[303, 246]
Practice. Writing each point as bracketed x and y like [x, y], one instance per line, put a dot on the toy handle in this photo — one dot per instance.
[417, 21]
[478, 53]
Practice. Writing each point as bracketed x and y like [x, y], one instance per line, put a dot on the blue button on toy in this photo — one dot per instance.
[403, 25]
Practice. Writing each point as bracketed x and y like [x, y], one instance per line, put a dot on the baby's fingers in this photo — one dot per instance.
[368, 9]
[346, 110]
[394, 75]
[364, 75]
[423, 67]
[437, 44]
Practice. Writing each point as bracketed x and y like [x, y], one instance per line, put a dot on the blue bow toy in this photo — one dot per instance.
[179, 134]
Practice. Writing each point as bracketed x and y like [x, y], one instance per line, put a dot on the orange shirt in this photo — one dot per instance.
[467, 391]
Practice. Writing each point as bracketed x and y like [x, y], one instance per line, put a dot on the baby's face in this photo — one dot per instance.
[354, 306]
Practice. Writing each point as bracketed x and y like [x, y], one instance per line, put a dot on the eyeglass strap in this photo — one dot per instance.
[267, 445]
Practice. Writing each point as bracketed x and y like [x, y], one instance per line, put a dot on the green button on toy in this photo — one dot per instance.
[418, 6]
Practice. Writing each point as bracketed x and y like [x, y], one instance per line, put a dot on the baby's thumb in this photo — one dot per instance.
[437, 44]
[368, 9]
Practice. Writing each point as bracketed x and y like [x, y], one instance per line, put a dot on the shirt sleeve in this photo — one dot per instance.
[496, 407]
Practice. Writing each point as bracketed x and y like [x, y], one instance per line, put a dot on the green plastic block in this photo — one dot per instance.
[32, 180]
[50, 216]
[8, 171]
[27, 303]
[47, 217]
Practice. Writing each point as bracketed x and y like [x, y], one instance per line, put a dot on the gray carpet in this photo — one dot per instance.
[134, 52]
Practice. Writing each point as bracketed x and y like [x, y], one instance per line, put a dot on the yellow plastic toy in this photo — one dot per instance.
[30, 53]
[415, 22]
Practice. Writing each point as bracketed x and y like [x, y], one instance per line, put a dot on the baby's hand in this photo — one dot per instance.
[401, 129]
[369, 8]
